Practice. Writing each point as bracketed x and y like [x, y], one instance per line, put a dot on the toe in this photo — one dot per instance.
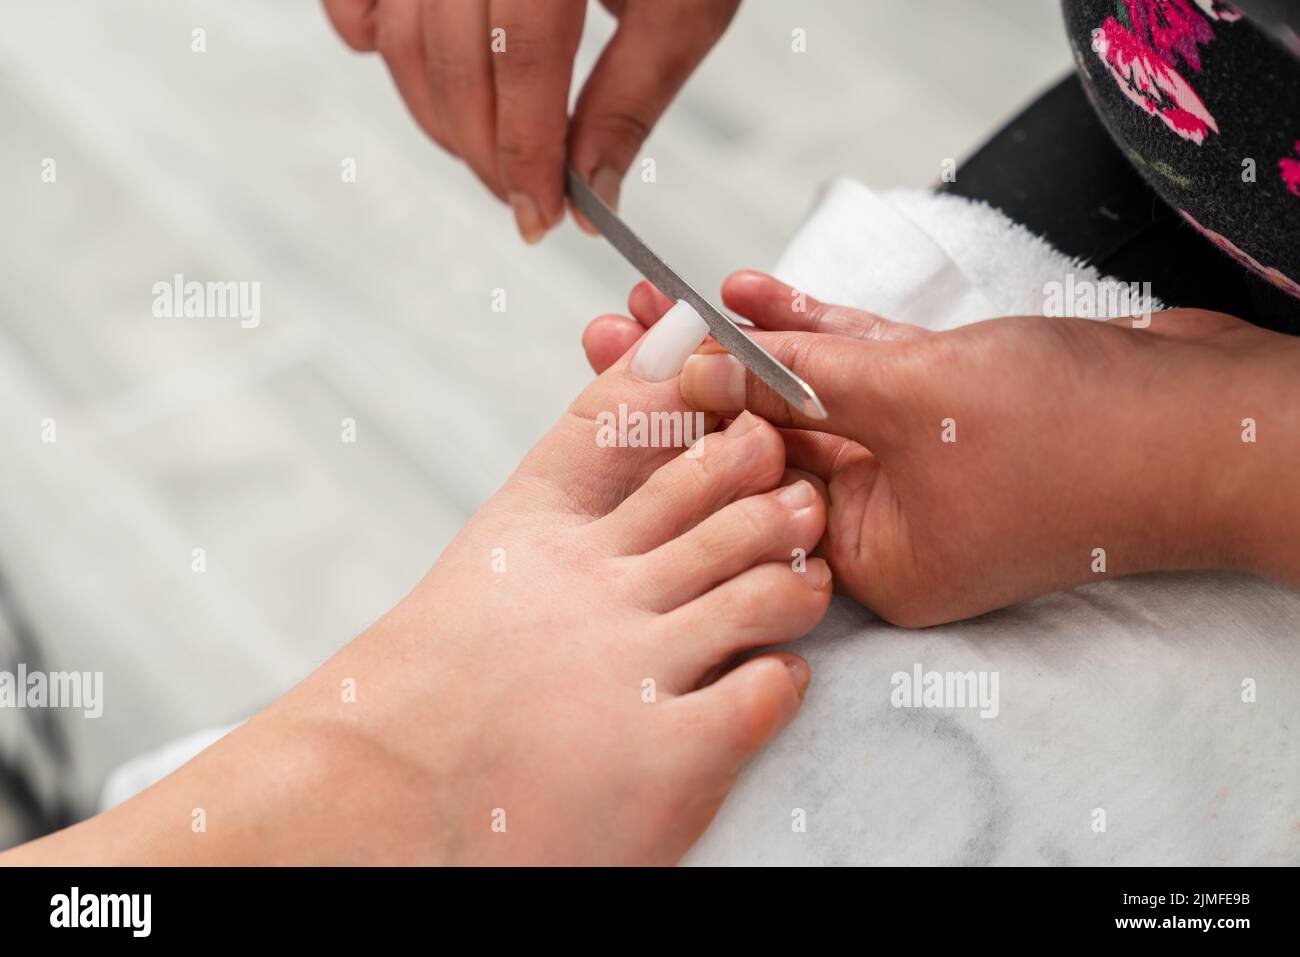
[769, 604]
[617, 432]
[778, 526]
[722, 467]
[725, 723]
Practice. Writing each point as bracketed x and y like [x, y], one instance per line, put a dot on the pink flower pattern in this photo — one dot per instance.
[1290, 169]
[1144, 46]
[1173, 28]
[1143, 57]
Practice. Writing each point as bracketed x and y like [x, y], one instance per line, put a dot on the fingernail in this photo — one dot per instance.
[713, 383]
[666, 346]
[606, 182]
[799, 495]
[745, 422]
[817, 574]
[527, 217]
[801, 674]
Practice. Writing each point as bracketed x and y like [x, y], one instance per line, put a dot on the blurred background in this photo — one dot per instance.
[172, 435]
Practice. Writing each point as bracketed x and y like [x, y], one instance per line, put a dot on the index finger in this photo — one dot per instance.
[532, 65]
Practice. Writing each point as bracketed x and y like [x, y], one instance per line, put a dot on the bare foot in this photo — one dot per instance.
[558, 689]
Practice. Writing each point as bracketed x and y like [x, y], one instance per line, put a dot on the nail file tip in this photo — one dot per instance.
[812, 406]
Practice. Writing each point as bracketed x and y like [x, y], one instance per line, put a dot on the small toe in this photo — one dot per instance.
[725, 723]
[769, 604]
[782, 526]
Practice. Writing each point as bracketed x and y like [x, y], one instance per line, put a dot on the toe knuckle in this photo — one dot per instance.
[712, 551]
[704, 474]
[735, 604]
[758, 515]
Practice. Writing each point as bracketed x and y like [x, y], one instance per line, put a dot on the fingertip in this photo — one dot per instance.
[355, 22]
[607, 338]
[647, 304]
[529, 219]
[765, 300]
[745, 282]
[636, 296]
[743, 277]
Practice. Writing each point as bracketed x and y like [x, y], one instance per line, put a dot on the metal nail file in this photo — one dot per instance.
[730, 336]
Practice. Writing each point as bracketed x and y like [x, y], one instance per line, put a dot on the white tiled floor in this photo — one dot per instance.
[175, 435]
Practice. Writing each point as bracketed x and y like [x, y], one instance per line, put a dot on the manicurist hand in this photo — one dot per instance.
[488, 80]
[968, 469]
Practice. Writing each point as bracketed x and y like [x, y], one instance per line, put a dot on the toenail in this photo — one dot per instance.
[665, 347]
[745, 422]
[817, 575]
[800, 673]
[714, 383]
[799, 495]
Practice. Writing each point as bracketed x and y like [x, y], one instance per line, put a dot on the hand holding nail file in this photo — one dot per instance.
[758, 360]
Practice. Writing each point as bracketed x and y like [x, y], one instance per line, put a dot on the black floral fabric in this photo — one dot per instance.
[1205, 103]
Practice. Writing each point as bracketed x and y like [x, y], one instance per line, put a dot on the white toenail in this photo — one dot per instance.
[669, 343]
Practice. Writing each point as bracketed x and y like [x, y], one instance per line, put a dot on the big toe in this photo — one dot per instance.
[617, 432]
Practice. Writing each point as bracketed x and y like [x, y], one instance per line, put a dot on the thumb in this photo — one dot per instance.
[859, 383]
[647, 61]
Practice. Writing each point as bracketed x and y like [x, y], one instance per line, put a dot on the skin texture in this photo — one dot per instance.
[505, 111]
[1071, 435]
[521, 686]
